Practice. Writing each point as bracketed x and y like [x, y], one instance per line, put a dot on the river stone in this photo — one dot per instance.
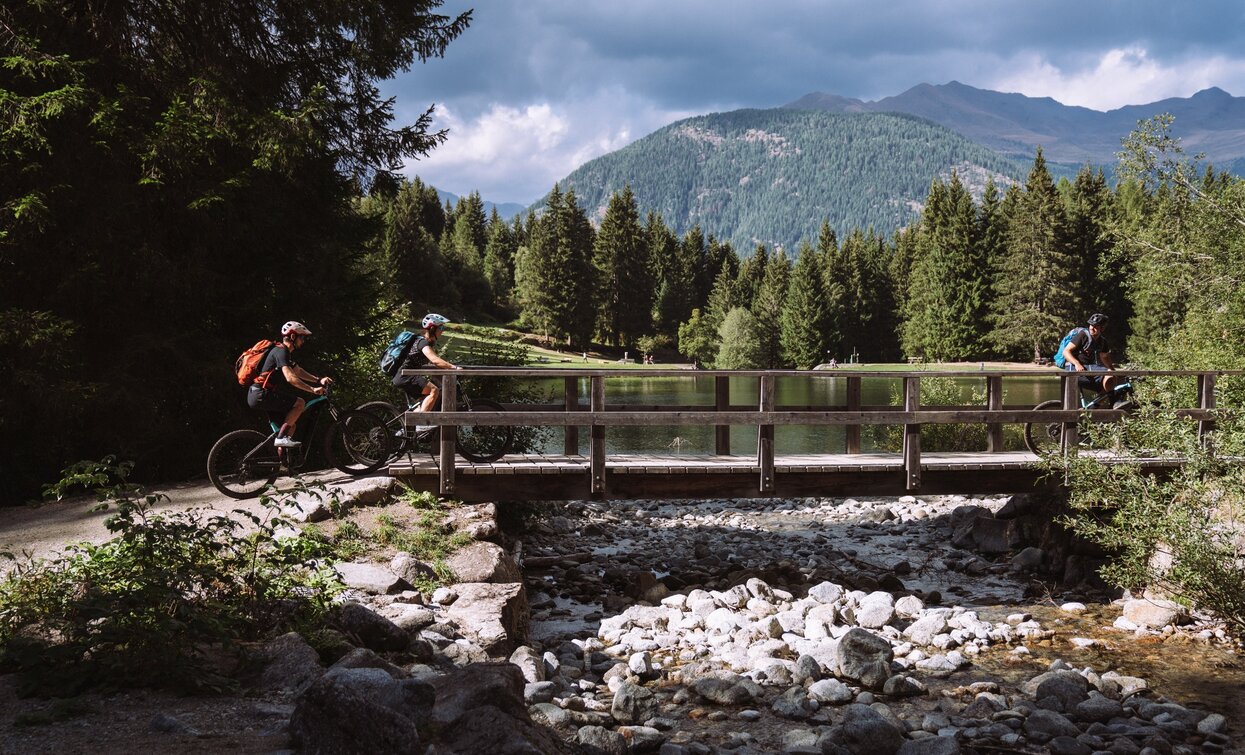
[490, 729]
[904, 686]
[1150, 711]
[1068, 688]
[601, 741]
[496, 684]
[365, 658]
[290, 664]
[530, 663]
[793, 704]
[1098, 709]
[641, 738]
[863, 731]
[826, 592]
[830, 691]
[482, 561]
[361, 710]
[411, 569]
[1030, 558]
[408, 616]
[922, 631]
[369, 628]
[633, 704]
[1214, 723]
[538, 692]
[909, 606]
[493, 615]
[727, 689]
[995, 536]
[864, 657]
[1154, 613]
[876, 610]
[1044, 725]
[930, 746]
[370, 578]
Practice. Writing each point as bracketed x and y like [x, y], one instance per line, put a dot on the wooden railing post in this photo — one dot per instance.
[912, 433]
[765, 436]
[721, 402]
[596, 436]
[1071, 402]
[1205, 401]
[570, 433]
[853, 405]
[994, 402]
[449, 401]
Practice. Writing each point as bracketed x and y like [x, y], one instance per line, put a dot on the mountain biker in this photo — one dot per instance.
[420, 388]
[1088, 351]
[279, 375]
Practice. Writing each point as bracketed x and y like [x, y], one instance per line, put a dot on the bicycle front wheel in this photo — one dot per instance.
[242, 463]
[484, 443]
[1045, 437]
[358, 443]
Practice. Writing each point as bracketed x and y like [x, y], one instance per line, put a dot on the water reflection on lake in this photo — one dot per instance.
[698, 391]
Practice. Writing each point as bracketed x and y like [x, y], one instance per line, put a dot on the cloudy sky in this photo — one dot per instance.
[534, 88]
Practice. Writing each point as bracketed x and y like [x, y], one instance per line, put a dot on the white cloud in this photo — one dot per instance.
[516, 154]
[1118, 77]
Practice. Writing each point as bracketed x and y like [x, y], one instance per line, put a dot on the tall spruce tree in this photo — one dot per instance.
[1038, 297]
[751, 274]
[1103, 274]
[834, 287]
[553, 277]
[624, 272]
[803, 322]
[767, 310]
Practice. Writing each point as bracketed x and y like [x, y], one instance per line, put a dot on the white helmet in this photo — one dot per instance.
[432, 319]
[295, 327]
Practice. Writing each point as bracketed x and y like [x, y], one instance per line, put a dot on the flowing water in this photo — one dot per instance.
[699, 391]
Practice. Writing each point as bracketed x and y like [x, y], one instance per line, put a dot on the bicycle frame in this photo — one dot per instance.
[294, 458]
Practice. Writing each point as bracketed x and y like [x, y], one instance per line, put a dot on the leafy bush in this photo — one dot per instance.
[945, 391]
[156, 600]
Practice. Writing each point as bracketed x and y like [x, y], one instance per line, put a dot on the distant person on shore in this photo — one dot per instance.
[1087, 350]
[279, 376]
[422, 389]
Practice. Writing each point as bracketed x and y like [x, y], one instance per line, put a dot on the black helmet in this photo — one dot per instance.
[1097, 319]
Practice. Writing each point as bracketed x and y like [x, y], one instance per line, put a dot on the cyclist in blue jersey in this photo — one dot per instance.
[1089, 351]
[422, 389]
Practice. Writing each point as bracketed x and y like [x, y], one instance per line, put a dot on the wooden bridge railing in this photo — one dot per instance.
[571, 413]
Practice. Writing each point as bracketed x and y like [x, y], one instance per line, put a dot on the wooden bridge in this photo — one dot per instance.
[841, 471]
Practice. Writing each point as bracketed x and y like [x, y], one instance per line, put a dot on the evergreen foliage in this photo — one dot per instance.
[623, 273]
[804, 326]
[767, 311]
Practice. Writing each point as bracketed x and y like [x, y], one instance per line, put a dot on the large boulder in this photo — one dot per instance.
[865, 658]
[633, 704]
[495, 616]
[492, 730]
[361, 710]
[496, 684]
[290, 664]
[482, 561]
[1154, 613]
[316, 506]
[370, 578]
[863, 731]
[370, 629]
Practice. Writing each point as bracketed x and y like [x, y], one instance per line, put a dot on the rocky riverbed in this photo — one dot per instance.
[910, 625]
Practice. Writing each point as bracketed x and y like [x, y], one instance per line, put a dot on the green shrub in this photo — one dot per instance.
[152, 604]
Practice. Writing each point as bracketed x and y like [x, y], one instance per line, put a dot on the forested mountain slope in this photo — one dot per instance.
[1211, 121]
[773, 176]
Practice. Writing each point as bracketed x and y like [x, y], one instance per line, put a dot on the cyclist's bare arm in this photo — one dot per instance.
[1069, 355]
[435, 360]
[1107, 361]
[303, 380]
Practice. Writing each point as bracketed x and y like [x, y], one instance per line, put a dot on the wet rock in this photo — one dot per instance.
[995, 536]
[1067, 688]
[1029, 559]
[1063, 745]
[163, 723]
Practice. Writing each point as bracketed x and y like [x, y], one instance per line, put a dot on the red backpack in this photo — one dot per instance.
[249, 364]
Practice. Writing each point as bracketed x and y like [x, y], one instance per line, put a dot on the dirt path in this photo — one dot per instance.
[45, 529]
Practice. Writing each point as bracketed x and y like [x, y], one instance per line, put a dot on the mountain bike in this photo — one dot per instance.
[243, 462]
[475, 443]
[1046, 437]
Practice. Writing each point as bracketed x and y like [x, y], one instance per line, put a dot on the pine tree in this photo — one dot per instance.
[499, 254]
[767, 310]
[803, 321]
[834, 277]
[1037, 295]
[624, 273]
[673, 278]
[553, 277]
[751, 273]
[1103, 275]
[413, 258]
[723, 298]
[699, 340]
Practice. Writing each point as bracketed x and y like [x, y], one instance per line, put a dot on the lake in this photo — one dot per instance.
[819, 391]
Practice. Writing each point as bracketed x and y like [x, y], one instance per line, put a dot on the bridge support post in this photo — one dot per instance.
[570, 433]
[994, 402]
[765, 436]
[721, 403]
[1206, 401]
[853, 405]
[912, 434]
[596, 436]
[449, 400]
[1071, 402]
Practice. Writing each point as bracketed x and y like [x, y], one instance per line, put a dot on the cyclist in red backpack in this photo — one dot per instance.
[1088, 351]
[279, 376]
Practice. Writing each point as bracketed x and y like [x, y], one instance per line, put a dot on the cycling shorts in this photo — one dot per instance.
[272, 401]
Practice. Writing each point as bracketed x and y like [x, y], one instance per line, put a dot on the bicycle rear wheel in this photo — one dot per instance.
[242, 463]
[358, 443]
[484, 443]
[1045, 437]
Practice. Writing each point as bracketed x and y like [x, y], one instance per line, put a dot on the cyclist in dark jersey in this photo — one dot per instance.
[422, 389]
[279, 376]
[1091, 353]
